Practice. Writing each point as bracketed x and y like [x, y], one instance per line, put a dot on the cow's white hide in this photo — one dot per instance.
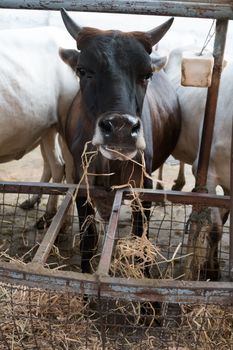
[192, 101]
[36, 88]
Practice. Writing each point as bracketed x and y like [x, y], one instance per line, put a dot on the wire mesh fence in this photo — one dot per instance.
[51, 316]
[41, 319]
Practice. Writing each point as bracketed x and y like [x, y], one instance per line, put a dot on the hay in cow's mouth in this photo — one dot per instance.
[116, 153]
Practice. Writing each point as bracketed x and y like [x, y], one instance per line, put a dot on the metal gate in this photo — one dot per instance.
[55, 308]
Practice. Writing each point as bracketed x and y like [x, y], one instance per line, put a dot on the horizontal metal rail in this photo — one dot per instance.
[145, 194]
[170, 291]
[220, 9]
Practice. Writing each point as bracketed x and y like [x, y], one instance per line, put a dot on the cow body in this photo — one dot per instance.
[192, 102]
[123, 111]
[35, 87]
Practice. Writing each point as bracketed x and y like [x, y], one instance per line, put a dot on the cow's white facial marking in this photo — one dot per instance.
[116, 154]
[123, 147]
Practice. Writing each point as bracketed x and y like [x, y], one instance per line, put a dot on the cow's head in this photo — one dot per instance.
[114, 70]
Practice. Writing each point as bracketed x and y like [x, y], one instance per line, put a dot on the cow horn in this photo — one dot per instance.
[157, 33]
[71, 26]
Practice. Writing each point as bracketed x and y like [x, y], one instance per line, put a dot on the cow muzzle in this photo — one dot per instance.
[119, 136]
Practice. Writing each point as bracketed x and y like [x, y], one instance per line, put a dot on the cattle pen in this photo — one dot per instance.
[47, 303]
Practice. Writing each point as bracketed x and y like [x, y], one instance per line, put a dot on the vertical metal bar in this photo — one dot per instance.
[211, 103]
[231, 213]
[106, 254]
[53, 230]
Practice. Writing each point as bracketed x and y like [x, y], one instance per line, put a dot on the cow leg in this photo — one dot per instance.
[141, 219]
[46, 176]
[52, 152]
[68, 160]
[180, 181]
[205, 232]
[88, 233]
[219, 217]
[214, 236]
[159, 185]
[69, 177]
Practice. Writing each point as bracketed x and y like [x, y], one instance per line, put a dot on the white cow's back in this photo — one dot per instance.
[35, 86]
[192, 101]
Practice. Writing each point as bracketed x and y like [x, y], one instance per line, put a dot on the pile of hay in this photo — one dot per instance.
[211, 326]
[42, 319]
[37, 319]
[133, 254]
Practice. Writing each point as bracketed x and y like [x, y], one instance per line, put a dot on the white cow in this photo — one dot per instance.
[192, 101]
[36, 88]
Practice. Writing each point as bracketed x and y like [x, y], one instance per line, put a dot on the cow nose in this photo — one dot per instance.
[136, 128]
[121, 125]
[106, 126]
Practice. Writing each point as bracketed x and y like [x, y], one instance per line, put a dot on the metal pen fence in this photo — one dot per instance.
[47, 303]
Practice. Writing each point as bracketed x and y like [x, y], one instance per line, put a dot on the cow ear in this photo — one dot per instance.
[70, 57]
[71, 26]
[157, 33]
[157, 62]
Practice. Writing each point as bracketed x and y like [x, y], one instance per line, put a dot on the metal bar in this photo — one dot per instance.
[53, 230]
[34, 187]
[110, 236]
[219, 9]
[50, 188]
[231, 213]
[100, 192]
[170, 291]
[211, 103]
[181, 197]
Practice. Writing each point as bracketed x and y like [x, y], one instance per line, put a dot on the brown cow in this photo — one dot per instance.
[123, 109]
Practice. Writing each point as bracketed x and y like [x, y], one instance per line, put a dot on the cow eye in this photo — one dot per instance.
[144, 78]
[80, 71]
[148, 76]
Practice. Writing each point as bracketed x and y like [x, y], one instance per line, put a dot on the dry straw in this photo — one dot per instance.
[49, 320]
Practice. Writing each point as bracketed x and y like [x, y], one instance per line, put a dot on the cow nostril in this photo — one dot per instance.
[136, 128]
[106, 126]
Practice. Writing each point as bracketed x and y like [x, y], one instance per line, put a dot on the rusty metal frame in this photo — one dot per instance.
[211, 104]
[35, 275]
[170, 291]
[218, 9]
[145, 194]
[221, 10]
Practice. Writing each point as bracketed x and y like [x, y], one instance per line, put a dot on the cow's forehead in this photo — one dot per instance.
[113, 46]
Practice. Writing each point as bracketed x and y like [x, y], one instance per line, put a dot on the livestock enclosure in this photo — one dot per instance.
[47, 303]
